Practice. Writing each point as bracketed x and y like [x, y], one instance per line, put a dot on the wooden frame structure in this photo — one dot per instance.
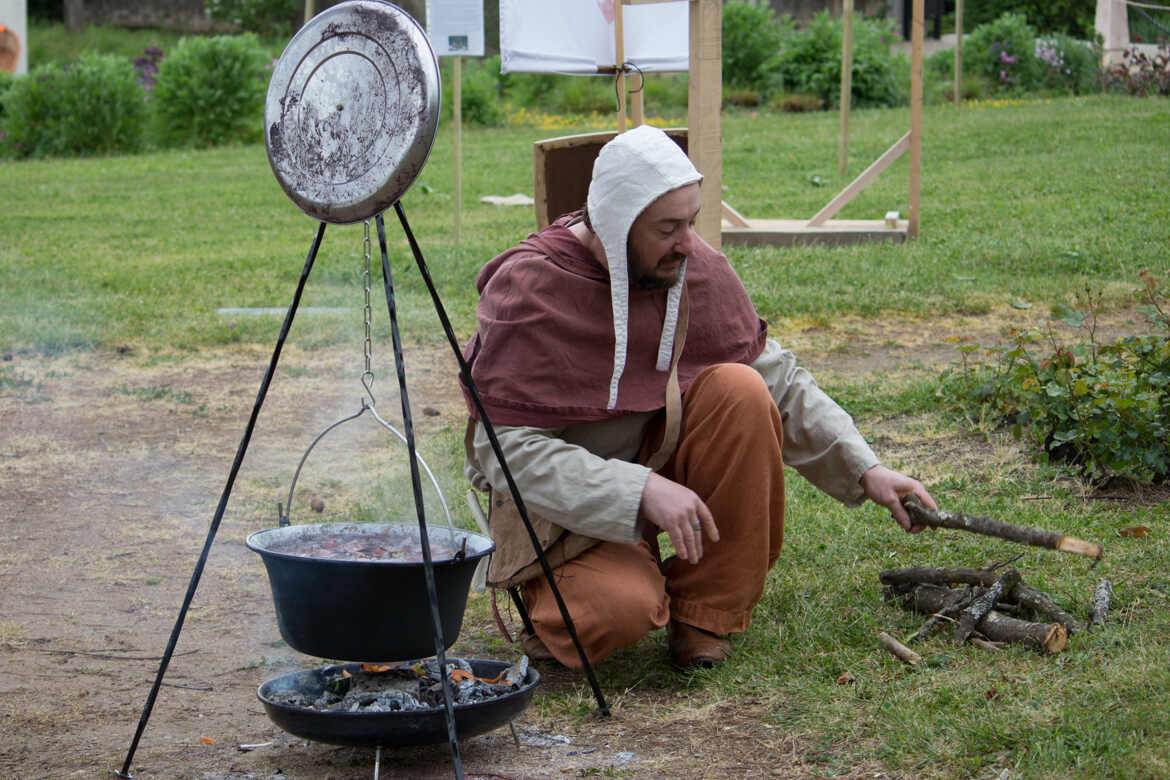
[821, 228]
[719, 222]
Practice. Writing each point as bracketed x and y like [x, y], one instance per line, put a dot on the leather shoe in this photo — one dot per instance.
[535, 648]
[692, 647]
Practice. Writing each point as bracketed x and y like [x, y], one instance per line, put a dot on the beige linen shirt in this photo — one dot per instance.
[583, 478]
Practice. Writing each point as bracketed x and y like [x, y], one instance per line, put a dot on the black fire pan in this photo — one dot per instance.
[390, 729]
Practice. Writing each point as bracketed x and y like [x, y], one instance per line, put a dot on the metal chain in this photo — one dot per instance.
[368, 374]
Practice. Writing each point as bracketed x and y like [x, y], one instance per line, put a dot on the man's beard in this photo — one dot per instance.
[650, 281]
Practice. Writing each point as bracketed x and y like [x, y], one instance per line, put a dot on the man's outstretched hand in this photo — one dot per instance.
[886, 487]
[679, 512]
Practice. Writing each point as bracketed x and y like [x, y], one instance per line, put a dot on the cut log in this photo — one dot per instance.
[1102, 595]
[917, 575]
[996, 626]
[900, 651]
[1042, 604]
[920, 514]
[970, 617]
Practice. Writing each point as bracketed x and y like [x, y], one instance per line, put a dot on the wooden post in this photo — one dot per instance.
[310, 10]
[637, 107]
[704, 121]
[958, 52]
[846, 85]
[457, 111]
[917, 31]
[74, 15]
[1112, 24]
[620, 56]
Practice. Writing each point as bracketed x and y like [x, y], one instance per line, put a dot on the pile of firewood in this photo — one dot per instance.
[988, 608]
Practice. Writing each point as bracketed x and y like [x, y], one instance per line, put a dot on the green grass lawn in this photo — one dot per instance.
[1023, 203]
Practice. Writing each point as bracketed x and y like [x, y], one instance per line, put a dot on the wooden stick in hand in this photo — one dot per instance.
[920, 514]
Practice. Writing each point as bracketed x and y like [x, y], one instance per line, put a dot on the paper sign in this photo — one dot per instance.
[455, 27]
[578, 36]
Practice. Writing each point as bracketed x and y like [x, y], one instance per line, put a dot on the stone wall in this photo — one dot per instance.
[180, 15]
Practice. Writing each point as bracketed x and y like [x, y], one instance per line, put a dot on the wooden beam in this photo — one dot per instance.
[704, 120]
[637, 107]
[796, 232]
[733, 216]
[861, 182]
[457, 115]
[917, 32]
[620, 50]
[846, 85]
[958, 52]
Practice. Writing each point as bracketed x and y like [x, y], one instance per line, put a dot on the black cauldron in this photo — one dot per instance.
[367, 610]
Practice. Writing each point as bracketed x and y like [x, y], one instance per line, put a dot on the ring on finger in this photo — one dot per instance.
[696, 525]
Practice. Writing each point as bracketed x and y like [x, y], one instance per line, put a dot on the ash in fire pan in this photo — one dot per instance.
[383, 705]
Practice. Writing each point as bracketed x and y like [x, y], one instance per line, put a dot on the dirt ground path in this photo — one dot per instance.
[111, 465]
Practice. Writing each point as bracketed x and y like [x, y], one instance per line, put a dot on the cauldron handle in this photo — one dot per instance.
[284, 512]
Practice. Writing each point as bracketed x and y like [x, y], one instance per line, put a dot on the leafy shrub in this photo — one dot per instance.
[752, 39]
[798, 103]
[146, 66]
[278, 18]
[480, 92]
[1104, 410]
[1064, 63]
[6, 81]
[563, 94]
[92, 106]
[811, 62]
[1072, 17]
[1139, 73]
[1004, 51]
[211, 90]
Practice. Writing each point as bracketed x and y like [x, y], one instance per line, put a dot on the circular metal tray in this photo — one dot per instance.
[352, 110]
[388, 729]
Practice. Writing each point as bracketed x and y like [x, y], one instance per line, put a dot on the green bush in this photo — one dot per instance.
[752, 39]
[6, 82]
[1072, 17]
[1064, 63]
[1004, 51]
[1139, 73]
[480, 91]
[1102, 409]
[211, 90]
[563, 94]
[93, 106]
[811, 62]
[278, 18]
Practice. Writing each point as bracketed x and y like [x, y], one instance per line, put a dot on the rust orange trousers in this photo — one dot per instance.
[729, 454]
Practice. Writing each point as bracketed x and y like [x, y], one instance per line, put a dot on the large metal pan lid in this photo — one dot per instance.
[352, 110]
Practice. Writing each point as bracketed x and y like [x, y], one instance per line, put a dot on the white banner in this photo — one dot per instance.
[577, 36]
[455, 27]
